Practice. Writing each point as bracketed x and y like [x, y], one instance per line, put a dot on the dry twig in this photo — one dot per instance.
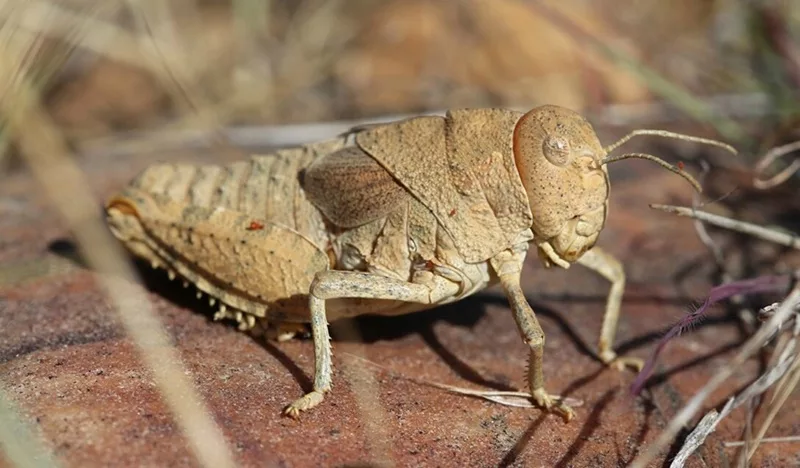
[750, 347]
[771, 235]
[709, 422]
[505, 398]
[783, 175]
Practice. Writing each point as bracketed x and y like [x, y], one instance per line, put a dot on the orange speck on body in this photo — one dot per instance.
[255, 226]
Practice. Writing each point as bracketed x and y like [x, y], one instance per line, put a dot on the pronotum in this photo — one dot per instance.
[386, 219]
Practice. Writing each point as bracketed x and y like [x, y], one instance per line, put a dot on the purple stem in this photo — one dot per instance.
[717, 294]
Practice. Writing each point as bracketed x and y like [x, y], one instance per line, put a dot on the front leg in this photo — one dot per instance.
[509, 268]
[333, 284]
[604, 264]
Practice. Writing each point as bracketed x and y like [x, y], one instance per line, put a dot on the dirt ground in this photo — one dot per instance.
[72, 370]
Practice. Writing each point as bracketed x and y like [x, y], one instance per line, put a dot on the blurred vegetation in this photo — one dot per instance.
[730, 66]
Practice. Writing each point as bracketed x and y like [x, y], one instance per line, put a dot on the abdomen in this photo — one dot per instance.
[266, 187]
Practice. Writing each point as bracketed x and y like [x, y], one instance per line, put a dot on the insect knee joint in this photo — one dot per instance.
[617, 271]
[536, 341]
[321, 288]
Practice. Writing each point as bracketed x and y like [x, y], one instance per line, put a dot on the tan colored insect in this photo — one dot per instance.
[386, 219]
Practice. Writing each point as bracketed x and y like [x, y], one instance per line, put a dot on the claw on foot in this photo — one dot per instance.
[305, 403]
[621, 363]
[553, 403]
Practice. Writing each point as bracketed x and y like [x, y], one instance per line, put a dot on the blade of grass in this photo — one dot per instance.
[748, 349]
[46, 153]
[766, 440]
[366, 389]
[771, 235]
[789, 383]
[98, 36]
[19, 444]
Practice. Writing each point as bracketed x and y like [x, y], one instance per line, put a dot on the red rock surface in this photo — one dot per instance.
[66, 361]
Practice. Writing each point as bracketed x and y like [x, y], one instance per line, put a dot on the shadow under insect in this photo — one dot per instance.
[466, 313]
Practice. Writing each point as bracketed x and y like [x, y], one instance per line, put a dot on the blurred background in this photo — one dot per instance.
[126, 81]
[104, 69]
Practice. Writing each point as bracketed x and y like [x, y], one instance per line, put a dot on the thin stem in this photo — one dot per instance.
[747, 350]
[771, 235]
[772, 155]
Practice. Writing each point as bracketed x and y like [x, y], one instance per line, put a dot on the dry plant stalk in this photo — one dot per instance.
[783, 175]
[505, 398]
[49, 160]
[385, 219]
[785, 365]
[765, 440]
[756, 342]
[19, 446]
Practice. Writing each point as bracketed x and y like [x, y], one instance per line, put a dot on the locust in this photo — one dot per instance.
[387, 219]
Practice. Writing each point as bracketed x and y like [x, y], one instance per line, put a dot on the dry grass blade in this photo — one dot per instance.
[98, 36]
[256, 136]
[750, 347]
[785, 388]
[160, 43]
[771, 156]
[46, 153]
[364, 383]
[746, 315]
[19, 445]
[514, 399]
[710, 421]
[766, 440]
[741, 462]
[505, 398]
[755, 230]
[701, 230]
[696, 438]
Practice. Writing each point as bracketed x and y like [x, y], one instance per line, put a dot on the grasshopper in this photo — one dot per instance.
[386, 219]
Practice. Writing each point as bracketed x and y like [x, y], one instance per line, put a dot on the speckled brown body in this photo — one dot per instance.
[386, 220]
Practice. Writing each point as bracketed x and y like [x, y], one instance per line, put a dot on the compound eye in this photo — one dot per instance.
[556, 150]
